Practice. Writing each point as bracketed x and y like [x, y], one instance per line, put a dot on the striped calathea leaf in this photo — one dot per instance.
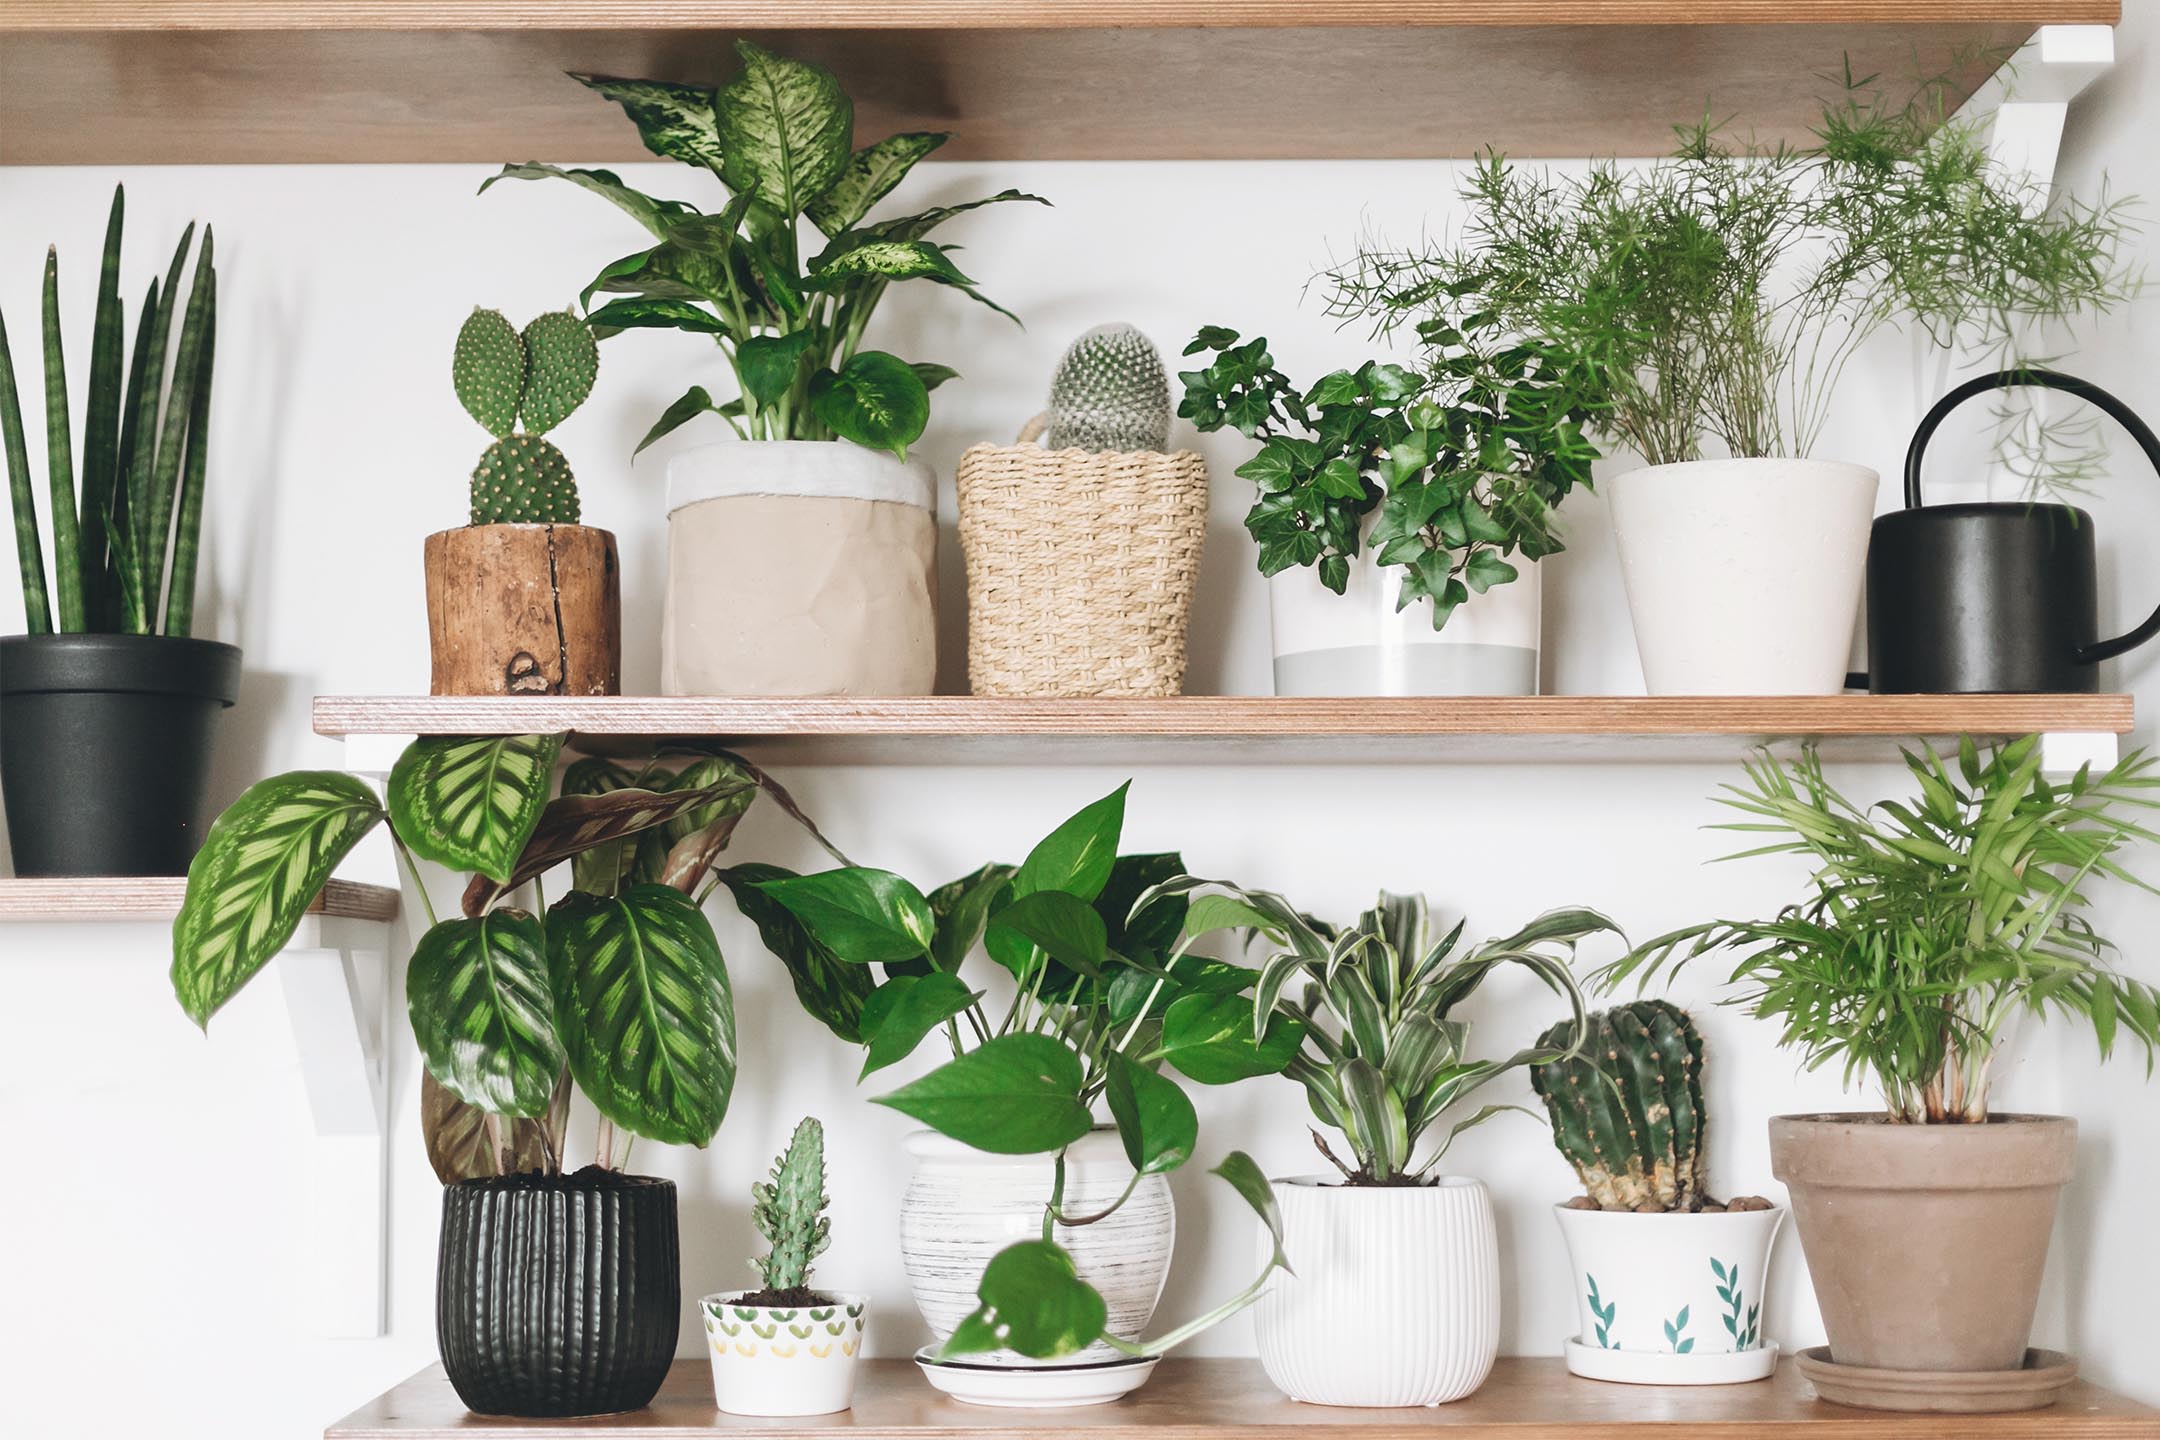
[461, 1147]
[260, 867]
[472, 803]
[644, 1011]
[477, 990]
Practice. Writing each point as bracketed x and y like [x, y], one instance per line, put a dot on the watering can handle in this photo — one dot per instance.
[2069, 385]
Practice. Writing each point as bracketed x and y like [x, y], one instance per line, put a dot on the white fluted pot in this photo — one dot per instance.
[963, 1206]
[1396, 1299]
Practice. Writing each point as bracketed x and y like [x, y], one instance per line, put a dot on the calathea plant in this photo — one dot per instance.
[1381, 1056]
[619, 985]
[1464, 453]
[777, 137]
[1104, 996]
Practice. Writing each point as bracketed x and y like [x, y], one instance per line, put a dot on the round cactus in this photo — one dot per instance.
[561, 361]
[1110, 393]
[524, 480]
[1627, 1110]
[488, 370]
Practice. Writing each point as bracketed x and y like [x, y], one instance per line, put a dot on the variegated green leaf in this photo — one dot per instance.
[648, 210]
[885, 260]
[784, 127]
[471, 803]
[456, 1134]
[262, 864]
[675, 121]
[868, 177]
[644, 1011]
[831, 989]
[477, 991]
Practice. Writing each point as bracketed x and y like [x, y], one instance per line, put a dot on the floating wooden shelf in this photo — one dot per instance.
[131, 897]
[1231, 1400]
[99, 82]
[1201, 729]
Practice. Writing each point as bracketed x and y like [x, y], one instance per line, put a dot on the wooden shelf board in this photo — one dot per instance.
[133, 897]
[86, 82]
[1526, 1399]
[1197, 729]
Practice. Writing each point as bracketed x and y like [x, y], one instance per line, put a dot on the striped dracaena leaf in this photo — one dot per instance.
[644, 1011]
[261, 865]
[477, 991]
[472, 803]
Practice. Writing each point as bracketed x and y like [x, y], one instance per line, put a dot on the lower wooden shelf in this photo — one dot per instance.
[157, 897]
[1526, 1399]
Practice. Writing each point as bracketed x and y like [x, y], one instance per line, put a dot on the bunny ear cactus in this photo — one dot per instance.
[539, 378]
[1627, 1110]
[1110, 392]
[789, 1211]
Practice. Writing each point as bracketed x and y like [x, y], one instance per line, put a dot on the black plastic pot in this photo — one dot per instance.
[558, 1295]
[105, 744]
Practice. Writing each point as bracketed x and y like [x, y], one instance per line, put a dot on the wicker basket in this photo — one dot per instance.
[1080, 567]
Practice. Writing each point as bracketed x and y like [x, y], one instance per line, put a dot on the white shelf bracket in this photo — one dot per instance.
[2064, 752]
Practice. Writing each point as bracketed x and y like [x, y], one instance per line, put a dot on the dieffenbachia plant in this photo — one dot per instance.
[618, 985]
[125, 537]
[1104, 996]
[777, 137]
[1382, 1059]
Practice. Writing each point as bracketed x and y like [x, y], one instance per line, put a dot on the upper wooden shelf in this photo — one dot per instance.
[1219, 1399]
[1202, 729]
[95, 82]
[139, 897]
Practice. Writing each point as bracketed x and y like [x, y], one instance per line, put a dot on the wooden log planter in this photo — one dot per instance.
[524, 610]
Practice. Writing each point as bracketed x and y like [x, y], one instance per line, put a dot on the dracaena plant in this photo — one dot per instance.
[789, 318]
[1382, 1058]
[1932, 924]
[1104, 995]
[125, 531]
[618, 986]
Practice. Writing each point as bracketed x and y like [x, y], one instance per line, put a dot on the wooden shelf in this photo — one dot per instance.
[96, 82]
[130, 897]
[1218, 1399]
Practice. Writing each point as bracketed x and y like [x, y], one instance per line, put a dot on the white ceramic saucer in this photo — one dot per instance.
[1649, 1367]
[1035, 1387]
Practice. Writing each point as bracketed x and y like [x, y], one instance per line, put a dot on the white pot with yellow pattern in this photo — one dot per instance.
[784, 1360]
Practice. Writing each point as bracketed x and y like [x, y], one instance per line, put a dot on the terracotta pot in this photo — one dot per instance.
[1925, 1242]
[524, 610]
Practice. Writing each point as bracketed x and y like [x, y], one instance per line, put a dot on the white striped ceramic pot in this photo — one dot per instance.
[1396, 1295]
[964, 1206]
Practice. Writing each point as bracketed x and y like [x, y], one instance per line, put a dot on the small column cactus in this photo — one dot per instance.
[1110, 393]
[789, 1211]
[539, 377]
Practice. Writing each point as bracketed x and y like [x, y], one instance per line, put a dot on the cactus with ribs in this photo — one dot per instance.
[507, 380]
[1627, 1109]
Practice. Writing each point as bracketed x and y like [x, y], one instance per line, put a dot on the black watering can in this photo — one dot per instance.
[1991, 598]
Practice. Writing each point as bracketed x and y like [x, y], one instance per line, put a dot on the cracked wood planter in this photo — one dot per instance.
[1670, 1299]
[524, 610]
[784, 1359]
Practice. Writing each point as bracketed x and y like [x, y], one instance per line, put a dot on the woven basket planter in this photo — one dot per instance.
[1080, 567]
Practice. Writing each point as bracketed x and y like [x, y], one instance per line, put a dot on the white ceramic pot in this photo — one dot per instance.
[799, 568]
[963, 1206]
[1358, 643]
[1670, 1299]
[1743, 576]
[1396, 1299]
[773, 1360]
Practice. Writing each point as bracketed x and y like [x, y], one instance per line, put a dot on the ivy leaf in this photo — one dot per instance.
[1484, 569]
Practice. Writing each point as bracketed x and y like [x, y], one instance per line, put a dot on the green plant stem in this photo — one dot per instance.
[29, 553]
[60, 462]
[1057, 1195]
[1164, 1344]
[1074, 1221]
[413, 871]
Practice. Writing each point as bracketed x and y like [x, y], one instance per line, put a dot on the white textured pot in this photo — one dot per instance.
[799, 568]
[1743, 576]
[1396, 1299]
[773, 1360]
[1358, 643]
[1670, 1299]
[963, 1206]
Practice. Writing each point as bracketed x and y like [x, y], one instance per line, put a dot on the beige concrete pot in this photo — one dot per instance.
[1925, 1242]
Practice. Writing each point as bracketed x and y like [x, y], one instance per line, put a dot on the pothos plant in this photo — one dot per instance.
[618, 986]
[1104, 996]
[1464, 454]
[777, 137]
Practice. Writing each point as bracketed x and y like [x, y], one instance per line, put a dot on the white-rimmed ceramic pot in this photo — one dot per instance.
[1358, 643]
[963, 1206]
[784, 1360]
[1743, 576]
[1670, 1299]
[1396, 1296]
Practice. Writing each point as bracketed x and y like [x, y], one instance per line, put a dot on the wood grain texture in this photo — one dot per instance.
[1526, 1399]
[237, 82]
[151, 898]
[523, 610]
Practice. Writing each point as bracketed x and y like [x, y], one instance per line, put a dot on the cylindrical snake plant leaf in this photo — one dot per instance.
[477, 992]
[120, 522]
[60, 462]
[29, 552]
[149, 406]
[470, 803]
[187, 539]
[101, 432]
[172, 439]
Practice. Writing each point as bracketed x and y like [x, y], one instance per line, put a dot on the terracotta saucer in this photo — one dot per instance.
[1943, 1392]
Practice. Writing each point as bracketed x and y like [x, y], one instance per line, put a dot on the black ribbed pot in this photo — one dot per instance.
[558, 1295]
[105, 745]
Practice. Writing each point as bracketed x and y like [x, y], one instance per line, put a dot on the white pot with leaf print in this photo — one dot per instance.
[784, 1360]
[1358, 643]
[1670, 1299]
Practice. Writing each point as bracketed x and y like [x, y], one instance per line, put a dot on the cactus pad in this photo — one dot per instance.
[524, 480]
[561, 361]
[488, 371]
[1110, 393]
[1627, 1111]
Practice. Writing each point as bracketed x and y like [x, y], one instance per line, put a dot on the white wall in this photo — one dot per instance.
[158, 1231]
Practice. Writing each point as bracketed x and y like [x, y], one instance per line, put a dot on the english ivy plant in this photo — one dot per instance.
[1464, 455]
[618, 986]
[777, 137]
[1105, 996]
